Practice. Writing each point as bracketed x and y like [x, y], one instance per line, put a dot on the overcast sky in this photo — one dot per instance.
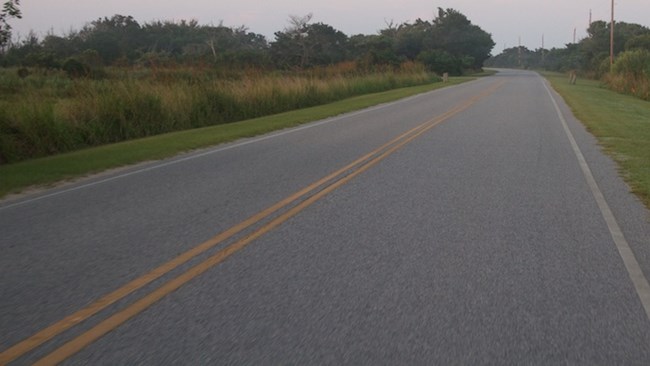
[506, 20]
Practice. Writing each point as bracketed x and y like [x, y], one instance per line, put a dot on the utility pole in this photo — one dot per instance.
[519, 52]
[611, 39]
[590, 17]
[574, 35]
[542, 49]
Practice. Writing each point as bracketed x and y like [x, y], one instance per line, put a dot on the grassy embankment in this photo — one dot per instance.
[621, 123]
[44, 121]
[48, 113]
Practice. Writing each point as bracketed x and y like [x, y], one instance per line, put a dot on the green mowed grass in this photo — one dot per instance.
[47, 171]
[621, 124]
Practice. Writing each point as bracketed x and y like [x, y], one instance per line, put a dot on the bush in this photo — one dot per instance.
[636, 63]
[441, 62]
[631, 74]
[75, 69]
[23, 72]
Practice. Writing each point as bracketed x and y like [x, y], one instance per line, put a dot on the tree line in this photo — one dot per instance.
[448, 43]
[590, 56]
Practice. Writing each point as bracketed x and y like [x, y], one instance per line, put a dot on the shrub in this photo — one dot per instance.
[75, 69]
[636, 63]
[441, 62]
[631, 74]
[23, 72]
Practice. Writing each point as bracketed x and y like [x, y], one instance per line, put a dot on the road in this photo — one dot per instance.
[477, 224]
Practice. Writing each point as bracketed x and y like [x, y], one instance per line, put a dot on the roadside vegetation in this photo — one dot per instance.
[590, 59]
[118, 92]
[48, 113]
[117, 80]
[620, 122]
[44, 171]
[612, 101]
[631, 74]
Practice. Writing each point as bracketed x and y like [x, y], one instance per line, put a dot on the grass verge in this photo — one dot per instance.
[15, 178]
[621, 124]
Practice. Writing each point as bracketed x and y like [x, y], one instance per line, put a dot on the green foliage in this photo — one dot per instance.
[307, 45]
[14, 177]
[10, 9]
[121, 41]
[631, 74]
[117, 79]
[455, 34]
[38, 133]
[75, 69]
[450, 43]
[441, 61]
[635, 63]
[590, 56]
[410, 40]
[373, 50]
[47, 114]
[22, 73]
[639, 42]
[125, 113]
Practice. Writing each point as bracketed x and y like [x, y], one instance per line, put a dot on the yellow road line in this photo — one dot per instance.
[53, 330]
[117, 319]
[66, 323]
[121, 317]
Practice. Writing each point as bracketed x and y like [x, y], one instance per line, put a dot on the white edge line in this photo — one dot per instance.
[631, 264]
[232, 146]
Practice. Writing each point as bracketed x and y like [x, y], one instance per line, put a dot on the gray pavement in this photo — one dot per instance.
[478, 243]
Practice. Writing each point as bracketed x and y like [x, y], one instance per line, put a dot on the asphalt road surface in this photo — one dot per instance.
[477, 224]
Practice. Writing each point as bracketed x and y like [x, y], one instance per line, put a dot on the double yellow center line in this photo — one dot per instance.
[300, 200]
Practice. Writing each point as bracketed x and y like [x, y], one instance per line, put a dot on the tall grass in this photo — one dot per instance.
[631, 74]
[48, 113]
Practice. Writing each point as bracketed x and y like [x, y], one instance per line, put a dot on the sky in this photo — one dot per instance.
[508, 21]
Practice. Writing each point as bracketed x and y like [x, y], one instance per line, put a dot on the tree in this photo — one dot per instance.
[450, 43]
[641, 42]
[113, 38]
[594, 49]
[410, 39]
[290, 47]
[304, 45]
[456, 34]
[440, 61]
[590, 55]
[9, 10]
[61, 47]
[371, 50]
[327, 45]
